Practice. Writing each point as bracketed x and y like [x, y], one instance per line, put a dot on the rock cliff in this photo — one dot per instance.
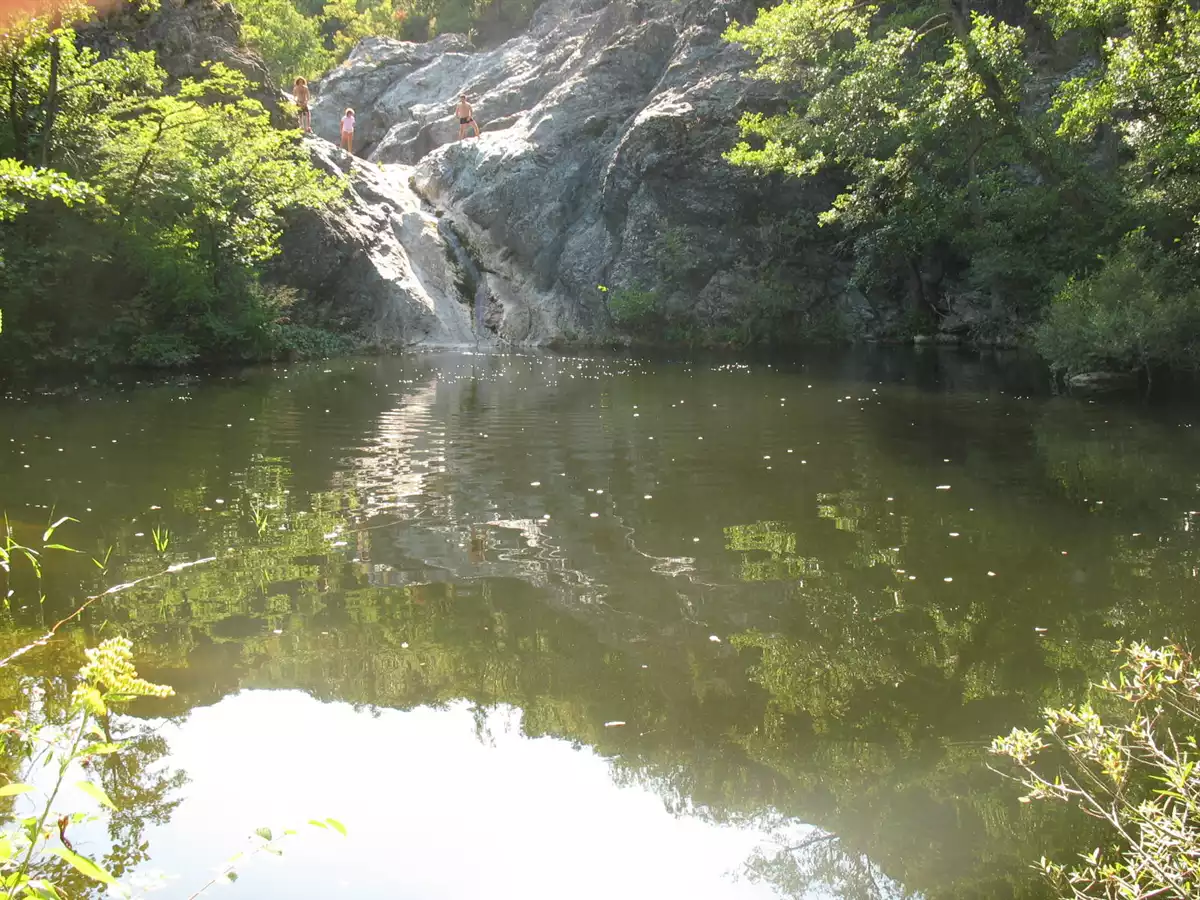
[600, 163]
[380, 265]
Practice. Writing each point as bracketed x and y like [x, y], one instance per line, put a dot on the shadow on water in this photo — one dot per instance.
[810, 588]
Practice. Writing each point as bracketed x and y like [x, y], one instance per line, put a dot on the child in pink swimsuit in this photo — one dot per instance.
[348, 131]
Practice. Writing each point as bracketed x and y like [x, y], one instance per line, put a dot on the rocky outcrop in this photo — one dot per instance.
[601, 162]
[378, 265]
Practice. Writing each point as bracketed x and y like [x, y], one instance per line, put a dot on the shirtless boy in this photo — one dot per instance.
[465, 117]
[301, 97]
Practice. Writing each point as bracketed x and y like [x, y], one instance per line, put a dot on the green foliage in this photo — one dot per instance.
[1136, 312]
[62, 731]
[350, 21]
[291, 43]
[965, 168]
[20, 184]
[64, 742]
[633, 309]
[175, 198]
[305, 342]
[915, 105]
[308, 37]
[1130, 762]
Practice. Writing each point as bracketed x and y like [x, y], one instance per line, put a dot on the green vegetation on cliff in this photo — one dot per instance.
[154, 202]
[1035, 161]
[308, 37]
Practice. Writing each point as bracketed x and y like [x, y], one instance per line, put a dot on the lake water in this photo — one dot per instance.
[542, 627]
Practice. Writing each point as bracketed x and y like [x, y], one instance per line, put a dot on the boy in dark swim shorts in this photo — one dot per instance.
[301, 97]
[465, 117]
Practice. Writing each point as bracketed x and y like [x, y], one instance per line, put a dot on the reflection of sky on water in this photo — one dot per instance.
[435, 809]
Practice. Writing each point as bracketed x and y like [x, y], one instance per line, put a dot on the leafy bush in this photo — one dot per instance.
[1135, 312]
[305, 342]
[64, 735]
[308, 37]
[157, 207]
[634, 309]
[291, 43]
[162, 350]
[1130, 761]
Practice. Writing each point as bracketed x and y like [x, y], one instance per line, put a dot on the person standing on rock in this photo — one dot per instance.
[348, 131]
[466, 116]
[301, 96]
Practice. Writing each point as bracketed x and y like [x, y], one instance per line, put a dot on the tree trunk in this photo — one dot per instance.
[14, 115]
[1010, 116]
[973, 190]
[917, 301]
[51, 101]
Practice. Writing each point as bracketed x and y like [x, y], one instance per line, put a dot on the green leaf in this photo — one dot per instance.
[13, 879]
[49, 532]
[6, 848]
[95, 793]
[231, 876]
[14, 788]
[83, 865]
[338, 826]
[318, 824]
[264, 833]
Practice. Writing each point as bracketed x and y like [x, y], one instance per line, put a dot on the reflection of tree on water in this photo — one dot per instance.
[139, 779]
[819, 865]
[863, 697]
[142, 786]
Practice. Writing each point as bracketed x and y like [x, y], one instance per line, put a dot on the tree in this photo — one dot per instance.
[186, 193]
[290, 42]
[917, 109]
[1143, 89]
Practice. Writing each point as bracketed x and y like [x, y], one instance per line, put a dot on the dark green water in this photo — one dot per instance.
[809, 592]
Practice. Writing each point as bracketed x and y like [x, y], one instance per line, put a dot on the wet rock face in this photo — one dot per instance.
[376, 265]
[601, 159]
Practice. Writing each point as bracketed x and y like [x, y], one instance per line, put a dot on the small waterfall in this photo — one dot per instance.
[472, 286]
